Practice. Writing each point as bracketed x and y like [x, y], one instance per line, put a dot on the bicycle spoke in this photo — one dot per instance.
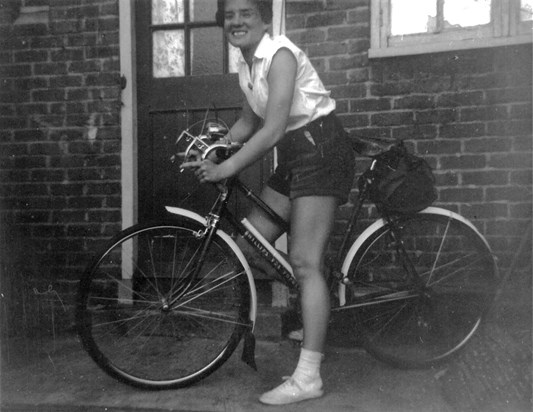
[219, 317]
[439, 251]
[411, 323]
[203, 292]
[156, 312]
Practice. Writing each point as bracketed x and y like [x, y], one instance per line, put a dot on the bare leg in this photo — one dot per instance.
[312, 221]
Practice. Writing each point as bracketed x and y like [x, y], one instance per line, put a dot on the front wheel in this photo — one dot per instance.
[419, 287]
[154, 315]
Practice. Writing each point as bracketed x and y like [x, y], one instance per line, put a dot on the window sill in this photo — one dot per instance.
[448, 46]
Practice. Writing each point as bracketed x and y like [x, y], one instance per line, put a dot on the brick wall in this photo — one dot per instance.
[468, 113]
[59, 134]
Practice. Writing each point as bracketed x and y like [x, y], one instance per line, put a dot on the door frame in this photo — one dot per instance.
[128, 122]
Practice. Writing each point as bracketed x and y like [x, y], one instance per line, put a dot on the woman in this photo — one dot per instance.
[287, 107]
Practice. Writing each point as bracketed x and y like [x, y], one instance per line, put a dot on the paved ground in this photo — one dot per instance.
[69, 381]
[492, 373]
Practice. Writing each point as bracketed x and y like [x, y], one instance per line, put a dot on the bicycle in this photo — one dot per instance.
[165, 304]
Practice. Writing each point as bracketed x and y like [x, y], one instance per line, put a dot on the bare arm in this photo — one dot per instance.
[281, 82]
[246, 126]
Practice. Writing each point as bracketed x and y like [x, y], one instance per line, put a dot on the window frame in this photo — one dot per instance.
[504, 29]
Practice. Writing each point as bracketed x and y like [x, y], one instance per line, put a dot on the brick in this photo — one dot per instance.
[490, 210]
[414, 102]
[355, 120]
[508, 193]
[415, 131]
[28, 109]
[54, 68]
[438, 116]
[30, 56]
[47, 175]
[347, 62]
[510, 161]
[457, 130]
[439, 146]
[67, 55]
[29, 135]
[392, 118]
[460, 99]
[461, 195]
[392, 88]
[462, 162]
[521, 210]
[85, 202]
[326, 49]
[485, 178]
[47, 148]
[521, 177]
[445, 179]
[15, 70]
[349, 91]
[521, 111]
[370, 105]
[487, 145]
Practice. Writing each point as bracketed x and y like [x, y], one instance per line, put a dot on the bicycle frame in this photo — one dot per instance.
[343, 255]
[244, 228]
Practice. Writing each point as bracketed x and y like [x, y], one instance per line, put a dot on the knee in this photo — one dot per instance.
[304, 266]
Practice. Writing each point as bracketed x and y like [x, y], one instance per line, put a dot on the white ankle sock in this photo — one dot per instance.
[308, 368]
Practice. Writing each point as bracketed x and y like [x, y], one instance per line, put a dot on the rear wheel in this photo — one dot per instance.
[146, 321]
[416, 323]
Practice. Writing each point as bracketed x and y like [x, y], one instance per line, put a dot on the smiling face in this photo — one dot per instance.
[244, 25]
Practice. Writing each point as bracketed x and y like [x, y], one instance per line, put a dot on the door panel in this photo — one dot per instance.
[182, 73]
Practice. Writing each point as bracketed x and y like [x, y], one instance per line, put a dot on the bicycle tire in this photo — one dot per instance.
[409, 326]
[145, 323]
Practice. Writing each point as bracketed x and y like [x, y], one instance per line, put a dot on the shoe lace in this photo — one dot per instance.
[290, 381]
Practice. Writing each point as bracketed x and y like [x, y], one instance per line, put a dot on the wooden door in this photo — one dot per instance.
[183, 70]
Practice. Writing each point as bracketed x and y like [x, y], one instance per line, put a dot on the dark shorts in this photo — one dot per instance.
[315, 160]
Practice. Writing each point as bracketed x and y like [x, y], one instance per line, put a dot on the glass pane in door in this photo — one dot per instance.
[207, 51]
[168, 53]
[203, 10]
[168, 11]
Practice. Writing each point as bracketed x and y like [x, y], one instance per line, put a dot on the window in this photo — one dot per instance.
[186, 40]
[402, 27]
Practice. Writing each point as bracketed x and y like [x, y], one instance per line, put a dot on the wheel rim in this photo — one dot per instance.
[145, 322]
[433, 320]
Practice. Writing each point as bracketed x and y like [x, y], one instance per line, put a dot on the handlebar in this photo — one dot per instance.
[204, 138]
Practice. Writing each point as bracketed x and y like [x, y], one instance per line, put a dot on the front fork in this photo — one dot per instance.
[206, 235]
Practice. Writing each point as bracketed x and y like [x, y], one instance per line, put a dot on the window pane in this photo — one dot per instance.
[206, 51]
[167, 11]
[203, 10]
[233, 57]
[526, 10]
[465, 13]
[412, 16]
[168, 53]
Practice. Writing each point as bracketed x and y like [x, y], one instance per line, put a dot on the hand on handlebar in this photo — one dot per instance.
[205, 170]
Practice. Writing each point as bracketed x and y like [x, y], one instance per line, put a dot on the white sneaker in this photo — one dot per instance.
[292, 391]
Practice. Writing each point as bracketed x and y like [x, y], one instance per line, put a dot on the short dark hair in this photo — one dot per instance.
[264, 7]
